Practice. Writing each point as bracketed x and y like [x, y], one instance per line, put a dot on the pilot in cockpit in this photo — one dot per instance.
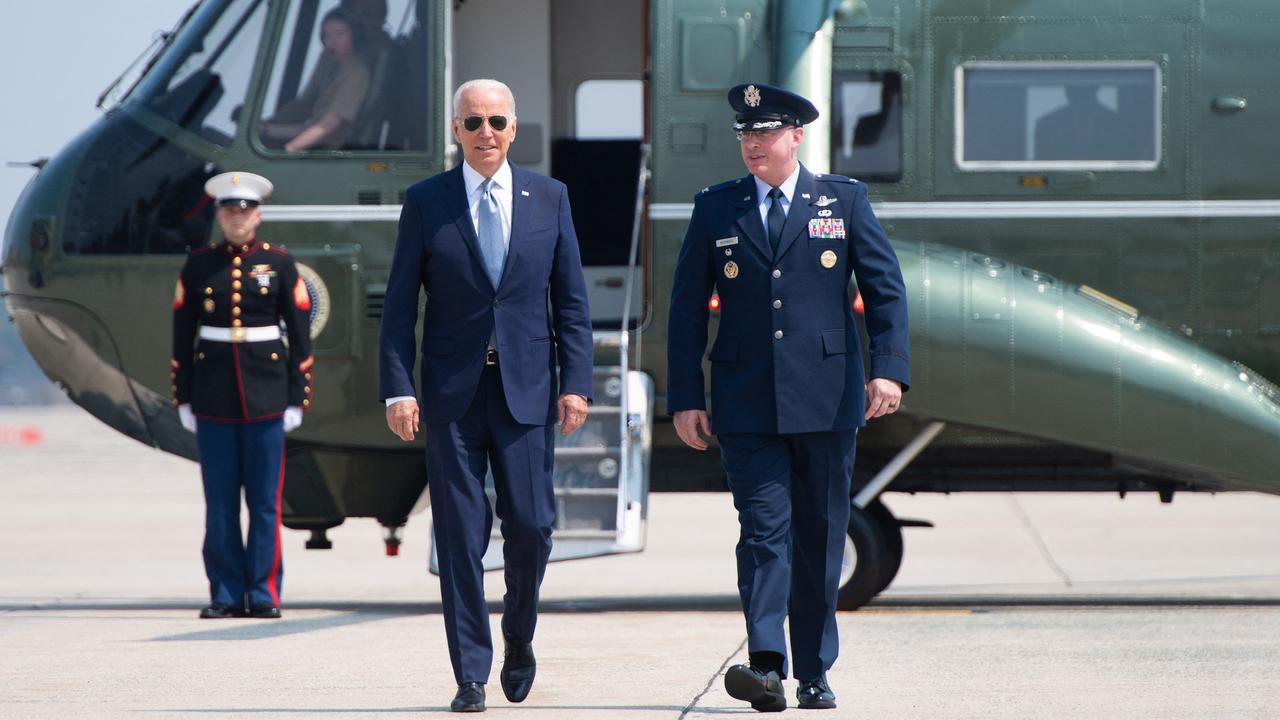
[322, 115]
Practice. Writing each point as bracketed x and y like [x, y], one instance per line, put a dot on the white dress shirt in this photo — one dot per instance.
[502, 193]
[788, 188]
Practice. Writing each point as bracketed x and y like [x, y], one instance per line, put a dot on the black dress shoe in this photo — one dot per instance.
[815, 695]
[761, 688]
[470, 698]
[518, 669]
[218, 611]
[269, 612]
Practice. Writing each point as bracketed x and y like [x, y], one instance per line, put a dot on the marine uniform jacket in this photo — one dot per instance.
[787, 356]
[538, 312]
[254, 285]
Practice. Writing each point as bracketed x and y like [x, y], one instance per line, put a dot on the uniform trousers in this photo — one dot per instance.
[792, 496]
[248, 456]
[522, 457]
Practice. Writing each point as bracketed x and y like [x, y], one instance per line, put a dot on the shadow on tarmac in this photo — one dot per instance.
[669, 603]
[440, 709]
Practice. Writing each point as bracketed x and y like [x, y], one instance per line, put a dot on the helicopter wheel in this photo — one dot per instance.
[891, 534]
[865, 558]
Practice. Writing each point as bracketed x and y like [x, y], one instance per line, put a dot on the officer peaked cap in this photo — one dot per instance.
[765, 107]
[238, 189]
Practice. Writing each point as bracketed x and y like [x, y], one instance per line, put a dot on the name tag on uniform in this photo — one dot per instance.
[724, 242]
[832, 228]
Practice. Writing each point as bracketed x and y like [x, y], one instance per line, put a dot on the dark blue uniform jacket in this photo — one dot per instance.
[255, 285]
[786, 358]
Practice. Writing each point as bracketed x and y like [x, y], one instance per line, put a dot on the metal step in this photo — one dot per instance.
[587, 452]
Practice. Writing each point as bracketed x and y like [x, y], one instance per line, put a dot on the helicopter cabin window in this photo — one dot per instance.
[348, 75]
[866, 125]
[1069, 116]
[205, 91]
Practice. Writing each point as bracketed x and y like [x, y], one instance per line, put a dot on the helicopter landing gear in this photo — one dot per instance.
[319, 539]
[392, 535]
[873, 541]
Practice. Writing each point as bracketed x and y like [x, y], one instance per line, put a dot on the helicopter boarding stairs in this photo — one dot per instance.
[601, 474]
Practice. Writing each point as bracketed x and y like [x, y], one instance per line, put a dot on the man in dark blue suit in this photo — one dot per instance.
[491, 244]
[788, 388]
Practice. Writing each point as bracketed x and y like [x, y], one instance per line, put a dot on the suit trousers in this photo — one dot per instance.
[792, 496]
[249, 456]
[521, 457]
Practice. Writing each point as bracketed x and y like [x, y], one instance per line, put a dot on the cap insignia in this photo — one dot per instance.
[752, 96]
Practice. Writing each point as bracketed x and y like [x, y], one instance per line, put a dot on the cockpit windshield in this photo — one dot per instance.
[123, 86]
[201, 82]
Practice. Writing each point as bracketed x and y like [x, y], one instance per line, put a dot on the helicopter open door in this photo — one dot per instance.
[576, 68]
[601, 475]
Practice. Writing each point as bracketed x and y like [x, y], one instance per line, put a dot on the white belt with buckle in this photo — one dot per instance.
[240, 334]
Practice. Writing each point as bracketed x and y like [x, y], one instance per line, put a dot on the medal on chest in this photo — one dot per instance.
[263, 274]
[827, 228]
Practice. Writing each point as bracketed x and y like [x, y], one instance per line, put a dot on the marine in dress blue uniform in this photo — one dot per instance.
[788, 387]
[240, 388]
[494, 248]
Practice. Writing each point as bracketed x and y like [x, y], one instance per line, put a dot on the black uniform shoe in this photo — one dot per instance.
[816, 695]
[470, 698]
[268, 612]
[218, 611]
[518, 669]
[761, 688]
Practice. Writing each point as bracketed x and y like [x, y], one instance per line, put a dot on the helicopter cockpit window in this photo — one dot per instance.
[1076, 115]
[348, 75]
[866, 125]
[206, 90]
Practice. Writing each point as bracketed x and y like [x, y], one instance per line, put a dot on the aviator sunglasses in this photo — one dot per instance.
[473, 123]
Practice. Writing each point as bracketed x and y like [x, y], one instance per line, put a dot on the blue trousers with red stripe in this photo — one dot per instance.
[249, 456]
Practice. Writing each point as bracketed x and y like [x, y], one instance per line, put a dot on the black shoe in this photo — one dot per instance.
[761, 688]
[470, 698]
[218, 611]
[518, 669]
[815, 695]
[268, 612]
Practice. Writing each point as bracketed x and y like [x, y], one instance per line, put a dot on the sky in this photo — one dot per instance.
[56, 56]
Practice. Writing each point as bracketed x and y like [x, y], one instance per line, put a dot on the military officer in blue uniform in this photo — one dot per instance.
[239, 388]
[788, 388]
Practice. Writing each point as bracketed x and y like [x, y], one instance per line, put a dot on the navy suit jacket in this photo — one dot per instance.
[539, 309]
[787, 357]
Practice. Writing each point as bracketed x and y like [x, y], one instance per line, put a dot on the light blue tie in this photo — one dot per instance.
[489, 232]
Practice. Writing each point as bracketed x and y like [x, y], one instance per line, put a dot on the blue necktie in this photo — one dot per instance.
[776, 218]
[489, 232]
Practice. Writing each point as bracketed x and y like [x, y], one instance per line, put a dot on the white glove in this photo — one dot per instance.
[187, 417]
[292, 418]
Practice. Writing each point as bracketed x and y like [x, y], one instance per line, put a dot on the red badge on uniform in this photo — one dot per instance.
[301, 298]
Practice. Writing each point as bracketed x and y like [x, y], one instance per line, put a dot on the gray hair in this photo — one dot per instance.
[483, 84]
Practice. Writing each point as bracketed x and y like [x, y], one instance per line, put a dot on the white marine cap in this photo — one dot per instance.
[239, 189]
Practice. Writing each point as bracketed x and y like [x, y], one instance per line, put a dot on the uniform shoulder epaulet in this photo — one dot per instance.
[828, 177]
[273, 248]
[202, 250]
[720, 187]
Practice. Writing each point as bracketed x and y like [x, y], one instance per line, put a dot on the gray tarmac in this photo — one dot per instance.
[1013, 606]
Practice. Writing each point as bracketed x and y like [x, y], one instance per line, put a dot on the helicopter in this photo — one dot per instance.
[1083, 202]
